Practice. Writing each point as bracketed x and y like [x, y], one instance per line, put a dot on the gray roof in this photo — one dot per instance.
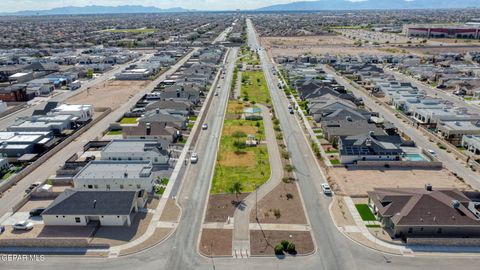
[105, 169]
[80, 202]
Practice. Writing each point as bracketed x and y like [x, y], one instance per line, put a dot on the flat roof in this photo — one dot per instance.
[120, 146]
[106, 169]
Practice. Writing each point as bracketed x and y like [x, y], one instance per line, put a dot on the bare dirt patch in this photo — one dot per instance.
[235, 108]
[304, 41]
[171, 212]
[340, 213]
[111, 94]
[220, 207]
[216, 242]
[229, 130]
[231, 159]
[358, 182]
[31, 204]
[262, 242]
[115, 236]
[290, 209]
[443, 49]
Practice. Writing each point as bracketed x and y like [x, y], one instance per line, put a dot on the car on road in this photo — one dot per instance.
[432, 152]
[23, 225]
[37, 211]
[326, 189]
[289, 106]
[216, 93]
[32, 187]
[194, 158]
[292, 111]
[2, 229]
[205, 126]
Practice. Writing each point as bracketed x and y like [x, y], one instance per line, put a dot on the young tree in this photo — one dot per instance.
[236, 189]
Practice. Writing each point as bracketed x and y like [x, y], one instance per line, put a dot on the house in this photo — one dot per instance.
[369, 147]
[83, 113]
[15, 93]
[115, 175]
[171, 106]
[333, 129]
[453, 131]
[151, 131]
[471, 143]
[428, 212]
[158, 116]
[91, 207]
[17, 144]
[155, 151]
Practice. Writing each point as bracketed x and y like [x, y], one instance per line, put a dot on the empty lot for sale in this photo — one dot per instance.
[110, 94]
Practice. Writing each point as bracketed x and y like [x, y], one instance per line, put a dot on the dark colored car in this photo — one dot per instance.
[37, 211]
[2, 229]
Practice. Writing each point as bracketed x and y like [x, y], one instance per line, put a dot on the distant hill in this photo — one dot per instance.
[371, 4]
[95, 10]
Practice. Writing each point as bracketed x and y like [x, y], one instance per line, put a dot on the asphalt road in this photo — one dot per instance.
[179, 251]
[416, 135]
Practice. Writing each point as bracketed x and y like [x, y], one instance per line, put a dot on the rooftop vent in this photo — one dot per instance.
[428, 187]
[455, 204]
[94, 203]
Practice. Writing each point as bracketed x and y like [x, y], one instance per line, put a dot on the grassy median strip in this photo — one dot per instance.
[254, 87]
[237, 162]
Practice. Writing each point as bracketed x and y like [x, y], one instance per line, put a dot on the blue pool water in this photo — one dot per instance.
[415, 157]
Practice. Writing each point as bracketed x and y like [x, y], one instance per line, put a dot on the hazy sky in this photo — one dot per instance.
[16, 5]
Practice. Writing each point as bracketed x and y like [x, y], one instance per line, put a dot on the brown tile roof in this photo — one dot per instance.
[417, 207]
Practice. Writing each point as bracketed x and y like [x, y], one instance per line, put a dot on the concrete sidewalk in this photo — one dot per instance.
[241, 232]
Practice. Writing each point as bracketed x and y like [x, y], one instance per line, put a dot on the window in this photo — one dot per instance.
[108, 186]
[121, 186]
[410, 230]
[439, 230]
[77, 220]
[95, 186]
[118, 216]
[90, 186]
[138, 186]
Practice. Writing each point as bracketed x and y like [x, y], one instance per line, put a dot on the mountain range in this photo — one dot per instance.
[371, 4]
[71, 10]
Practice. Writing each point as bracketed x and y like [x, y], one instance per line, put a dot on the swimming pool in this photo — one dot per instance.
[415, 157]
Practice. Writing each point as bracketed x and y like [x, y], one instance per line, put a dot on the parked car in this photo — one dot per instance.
[432, 152]
[292, 111]
[326, 189]
[194, 158]
[37, 211]
[2, 229]
[216, 93]
[205, 126]
[23, 225]
[32, 187]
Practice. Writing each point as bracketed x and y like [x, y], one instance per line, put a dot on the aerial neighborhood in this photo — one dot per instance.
[275, 135]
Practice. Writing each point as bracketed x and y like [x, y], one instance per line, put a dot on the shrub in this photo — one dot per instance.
[284, 244]
[289, 196]
[290, 248]
[276, 213]
[285, 155]
[289, 168]
[278, 249]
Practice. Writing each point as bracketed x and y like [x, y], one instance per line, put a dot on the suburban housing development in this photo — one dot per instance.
[296, 135]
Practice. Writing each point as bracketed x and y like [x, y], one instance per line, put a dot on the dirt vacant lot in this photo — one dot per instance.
[358, 182]
[261, 244]
[443, 49]
[111, 94]
[290, 209]
[304, 41]
[216, 242]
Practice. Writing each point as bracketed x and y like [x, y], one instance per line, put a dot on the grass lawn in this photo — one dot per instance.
[365, 212]
[9, 173]
[335, 161]
[331, 151]
[129, 120]
[115, 132]
[254, 87]
[248, 165]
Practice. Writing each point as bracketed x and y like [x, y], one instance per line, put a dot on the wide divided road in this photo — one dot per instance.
[180, 251]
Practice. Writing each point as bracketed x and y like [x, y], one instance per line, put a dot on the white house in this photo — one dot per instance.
[85, 207]
[155, 151]
[115, 175]
[83, 112]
